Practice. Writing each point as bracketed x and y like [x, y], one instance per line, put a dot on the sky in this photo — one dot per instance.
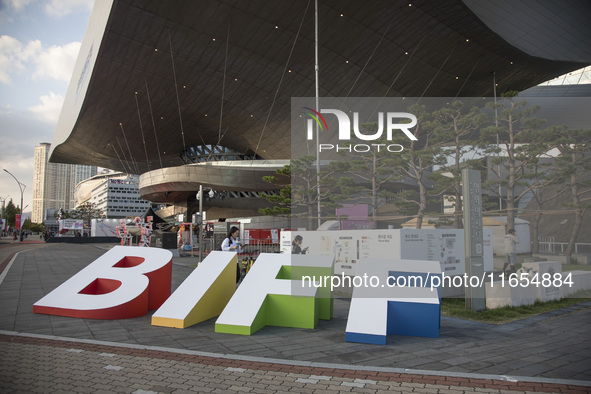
[39, 44]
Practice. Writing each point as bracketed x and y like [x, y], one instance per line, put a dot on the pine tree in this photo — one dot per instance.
[11, 212]
[416, 163]
[524, 142]
[86, 211]
[574, 167]
[300, 198]
[373, 169]
[456, 131]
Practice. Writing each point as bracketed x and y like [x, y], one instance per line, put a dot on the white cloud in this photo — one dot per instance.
[59, 8]
[17, 5]
[57, 62]
[13, 55]
[49, 109]
[53, 8]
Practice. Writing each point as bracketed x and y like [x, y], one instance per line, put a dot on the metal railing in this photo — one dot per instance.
[258, 246]
[252, 249]
[547, 245]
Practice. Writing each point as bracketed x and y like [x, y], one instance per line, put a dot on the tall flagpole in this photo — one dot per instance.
[317, 108]
[498, 144]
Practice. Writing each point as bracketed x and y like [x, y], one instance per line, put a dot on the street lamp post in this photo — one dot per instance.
[199, 197]
[22, 187]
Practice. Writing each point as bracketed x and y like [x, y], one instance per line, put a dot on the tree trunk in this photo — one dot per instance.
[570, 248]
[511, 202]
[535, 247]
[422, 204]
[374, 193]
[458, 210]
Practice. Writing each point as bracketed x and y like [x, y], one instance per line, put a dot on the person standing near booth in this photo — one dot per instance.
[231, 244]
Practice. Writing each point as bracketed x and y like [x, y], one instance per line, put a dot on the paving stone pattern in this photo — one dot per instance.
[45, 365]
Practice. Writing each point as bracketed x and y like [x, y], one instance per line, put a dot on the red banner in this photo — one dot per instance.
[17, 221]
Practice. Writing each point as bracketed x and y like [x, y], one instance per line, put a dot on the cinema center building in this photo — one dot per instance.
[190, 93]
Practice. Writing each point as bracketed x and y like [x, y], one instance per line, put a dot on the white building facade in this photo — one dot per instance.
[116, 194]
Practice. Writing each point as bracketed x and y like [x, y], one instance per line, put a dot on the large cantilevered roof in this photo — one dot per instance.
[154, 77]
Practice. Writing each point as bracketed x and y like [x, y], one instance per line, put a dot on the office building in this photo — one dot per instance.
[54, 183]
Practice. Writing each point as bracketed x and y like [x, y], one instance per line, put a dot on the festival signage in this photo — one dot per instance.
[203, 295]
[272, 294]
[71, 224]
[401, 298]
[125, 282]
[279, 290]
[103, 227]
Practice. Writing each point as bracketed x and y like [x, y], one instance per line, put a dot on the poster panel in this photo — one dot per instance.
[104, 227]
[348, 246]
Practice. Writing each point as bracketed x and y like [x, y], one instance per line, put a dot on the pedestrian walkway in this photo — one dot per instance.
[549, 352]
[38, 364]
